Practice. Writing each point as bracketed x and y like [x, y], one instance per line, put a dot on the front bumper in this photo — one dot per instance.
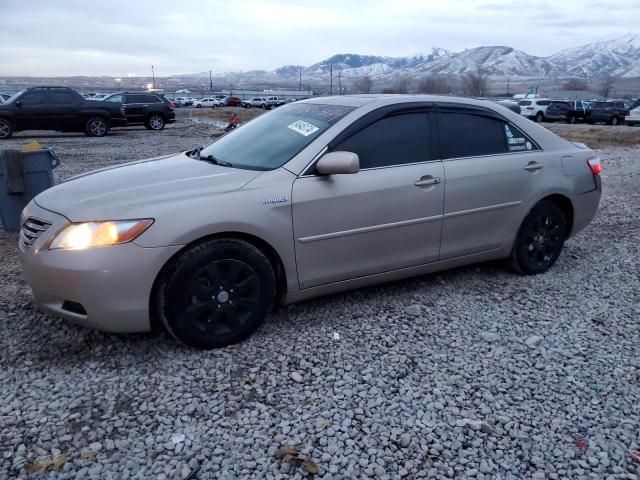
[112, 284]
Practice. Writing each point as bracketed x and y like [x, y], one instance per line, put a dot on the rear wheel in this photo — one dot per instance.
[615, 121]
[216, 294]
[540, 239]
[96, 127]
[572, 119]
[155, 122]
[539, 117]
[6, 129]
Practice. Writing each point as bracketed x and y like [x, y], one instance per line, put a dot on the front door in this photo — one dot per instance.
[388, 216]
[30, 115]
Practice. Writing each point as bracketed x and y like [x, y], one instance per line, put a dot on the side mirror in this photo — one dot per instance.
[19, 103]
[334, 163]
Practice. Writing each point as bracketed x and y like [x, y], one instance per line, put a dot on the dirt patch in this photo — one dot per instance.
[597, 136]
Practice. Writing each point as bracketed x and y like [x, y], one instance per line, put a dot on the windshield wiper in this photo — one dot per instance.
[215, 161]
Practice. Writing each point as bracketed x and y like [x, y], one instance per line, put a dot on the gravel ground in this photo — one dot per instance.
[471, 373]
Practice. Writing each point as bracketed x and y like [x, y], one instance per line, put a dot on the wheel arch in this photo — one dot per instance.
[565, 204]
[265, 247]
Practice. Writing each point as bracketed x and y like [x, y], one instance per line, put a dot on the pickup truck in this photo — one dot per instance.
[61, 109]
[276, 101]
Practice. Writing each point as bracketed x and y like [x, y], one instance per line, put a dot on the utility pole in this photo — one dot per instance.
[153, 77]
[331, 84]
[210, 83]
[300, 82]
[508, 82]
[340, 82]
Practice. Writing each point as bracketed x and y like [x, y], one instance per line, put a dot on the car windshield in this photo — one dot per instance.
[274, 138]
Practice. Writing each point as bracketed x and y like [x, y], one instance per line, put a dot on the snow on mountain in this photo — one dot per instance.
[618, 57]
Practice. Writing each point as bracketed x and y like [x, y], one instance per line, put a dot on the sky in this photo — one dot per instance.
[125, 37]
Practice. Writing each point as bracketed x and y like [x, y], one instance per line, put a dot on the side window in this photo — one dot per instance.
[33, 98]
[150, 99]
[517, 141]
[135, 98]
[544, 103]
[395, 140]
[115, 98]
[470, 135]
[61, 98]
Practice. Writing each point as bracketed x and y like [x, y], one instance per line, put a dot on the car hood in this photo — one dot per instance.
[122, 191]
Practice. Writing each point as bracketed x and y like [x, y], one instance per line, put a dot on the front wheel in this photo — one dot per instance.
[539, 240]
[216, 293]
[155, 122]
[615, 121]
[96, 127]
[6, 129]
[572, 120]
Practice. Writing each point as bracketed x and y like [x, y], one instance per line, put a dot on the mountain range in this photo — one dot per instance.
[619, 57]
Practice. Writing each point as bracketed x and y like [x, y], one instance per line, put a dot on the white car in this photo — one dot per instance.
[634, 117]
[261, 102]
[534, 108]
[184, 101]
[207, 102]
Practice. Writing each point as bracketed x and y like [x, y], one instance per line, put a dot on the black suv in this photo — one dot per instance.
[148, 109]
[612, 112]
[58, 108]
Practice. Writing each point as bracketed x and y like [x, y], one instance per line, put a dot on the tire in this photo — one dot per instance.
[263, 105]
[198, 106]
[96, 127]
[539, 117]
[6, 129]
[540, 239]
[216, 293]
[615, 121]
[155, 122]
[572, 120]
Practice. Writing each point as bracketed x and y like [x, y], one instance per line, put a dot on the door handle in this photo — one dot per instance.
[533, 166]
[427, 180]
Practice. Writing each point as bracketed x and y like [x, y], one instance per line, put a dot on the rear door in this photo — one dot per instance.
[493, 171]
[134, 107]
[387, 216]
[63, 110]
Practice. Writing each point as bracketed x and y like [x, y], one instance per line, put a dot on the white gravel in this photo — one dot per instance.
[472, 373]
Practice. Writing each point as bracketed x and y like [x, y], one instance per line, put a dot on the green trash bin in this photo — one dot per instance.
[23, 175]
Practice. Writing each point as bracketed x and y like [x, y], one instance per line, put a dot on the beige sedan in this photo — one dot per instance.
[316, 197]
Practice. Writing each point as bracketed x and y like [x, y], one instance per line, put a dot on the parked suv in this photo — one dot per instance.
[534, 108]
[276, 101]
[261, 102]
[312, 198]
[58, 108]
[148, 109]
[612, 112]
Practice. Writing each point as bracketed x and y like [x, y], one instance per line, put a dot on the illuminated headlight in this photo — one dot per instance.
[79, 236]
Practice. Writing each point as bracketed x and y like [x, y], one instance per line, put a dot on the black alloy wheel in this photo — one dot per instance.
[540, 239]
[217, 293]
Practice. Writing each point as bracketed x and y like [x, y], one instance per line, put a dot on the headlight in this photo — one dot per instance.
[79, 236]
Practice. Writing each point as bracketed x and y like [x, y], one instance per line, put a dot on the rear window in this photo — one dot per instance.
[469, 135]
[524, 103]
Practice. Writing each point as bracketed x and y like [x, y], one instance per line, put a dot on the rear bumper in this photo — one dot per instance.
[585, 206]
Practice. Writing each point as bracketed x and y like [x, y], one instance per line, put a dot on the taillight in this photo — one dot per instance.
[595, 165]
[171, 105]
[627, 113]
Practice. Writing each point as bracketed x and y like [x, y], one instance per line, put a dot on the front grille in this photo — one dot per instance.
[30, 231]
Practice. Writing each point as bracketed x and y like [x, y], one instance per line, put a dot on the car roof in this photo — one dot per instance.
[391, 99]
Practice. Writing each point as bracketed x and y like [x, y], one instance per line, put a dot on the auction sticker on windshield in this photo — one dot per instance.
[303, 128]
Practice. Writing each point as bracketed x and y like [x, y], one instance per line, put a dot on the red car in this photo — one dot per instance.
[234, 101]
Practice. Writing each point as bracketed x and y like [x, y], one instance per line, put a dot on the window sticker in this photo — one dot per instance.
[303, 128]
[517, 142]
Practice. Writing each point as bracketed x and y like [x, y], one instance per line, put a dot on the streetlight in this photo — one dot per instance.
[118, 81]
[153, 77]
[210, 83]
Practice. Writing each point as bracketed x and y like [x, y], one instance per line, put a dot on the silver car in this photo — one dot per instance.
[316, 197]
